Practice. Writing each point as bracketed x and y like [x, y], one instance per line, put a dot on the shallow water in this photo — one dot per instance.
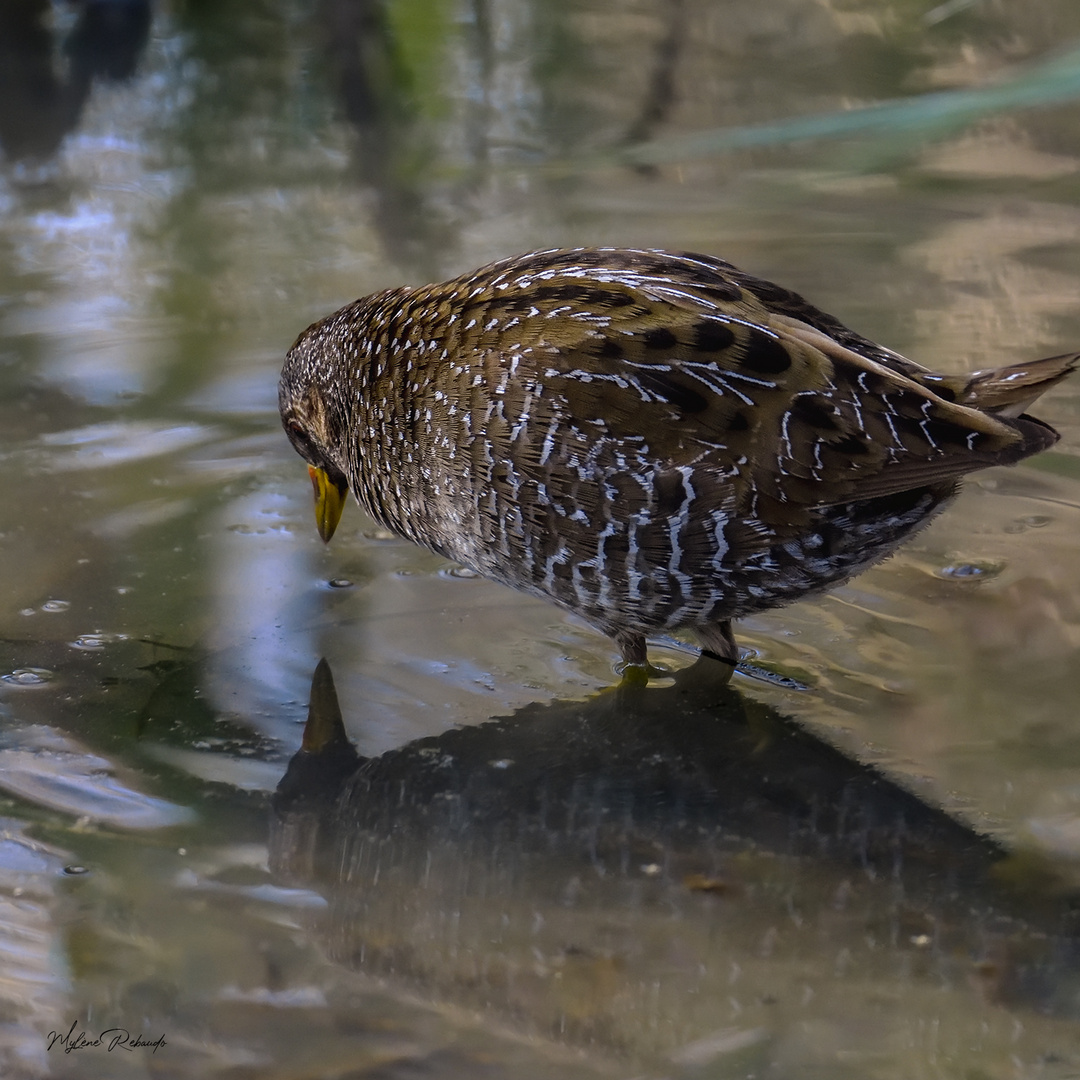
[675, 882]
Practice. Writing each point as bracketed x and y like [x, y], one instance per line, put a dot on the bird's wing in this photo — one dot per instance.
[716, 378]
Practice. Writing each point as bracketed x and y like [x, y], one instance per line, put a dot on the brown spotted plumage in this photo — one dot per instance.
[655, 441]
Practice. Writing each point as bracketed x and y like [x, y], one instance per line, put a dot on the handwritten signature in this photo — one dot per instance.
[110, 1039]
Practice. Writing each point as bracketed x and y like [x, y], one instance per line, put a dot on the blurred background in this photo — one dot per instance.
[184, 186]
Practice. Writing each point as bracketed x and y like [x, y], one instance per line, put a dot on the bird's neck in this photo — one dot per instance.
[390, 464]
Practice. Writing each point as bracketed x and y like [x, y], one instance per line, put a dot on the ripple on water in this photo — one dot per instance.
[45, 767]
[28, 676]
[118, 442]
[459, 572]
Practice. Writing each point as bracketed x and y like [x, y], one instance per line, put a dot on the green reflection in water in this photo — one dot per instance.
[930, 116]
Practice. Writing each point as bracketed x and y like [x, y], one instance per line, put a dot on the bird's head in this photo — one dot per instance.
[309, 399]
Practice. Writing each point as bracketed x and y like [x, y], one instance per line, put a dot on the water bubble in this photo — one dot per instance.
[75, 871]
[341, 583]
[460, 572]
[1032, 521]
[27, 676]
[96, 641]
[971, 571]
[56, 605]
[28, 611]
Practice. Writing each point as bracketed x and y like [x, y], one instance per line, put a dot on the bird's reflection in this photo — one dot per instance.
[603, 870]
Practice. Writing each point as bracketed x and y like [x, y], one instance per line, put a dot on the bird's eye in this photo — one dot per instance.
[296, 432]
[301, 440]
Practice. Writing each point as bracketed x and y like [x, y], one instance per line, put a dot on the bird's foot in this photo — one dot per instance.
[640, 674]
[633, 675]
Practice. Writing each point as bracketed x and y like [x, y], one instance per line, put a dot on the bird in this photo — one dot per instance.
[656, 441]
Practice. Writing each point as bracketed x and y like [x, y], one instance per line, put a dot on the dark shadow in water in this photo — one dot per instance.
[39, 103]
[660, 91]
[391, 154]
[552, 864]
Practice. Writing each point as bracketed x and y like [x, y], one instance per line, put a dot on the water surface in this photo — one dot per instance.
[181, 194]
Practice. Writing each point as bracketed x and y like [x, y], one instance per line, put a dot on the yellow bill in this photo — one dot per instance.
[329, 501]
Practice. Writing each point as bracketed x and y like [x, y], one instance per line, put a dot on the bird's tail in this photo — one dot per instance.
[1008, 391]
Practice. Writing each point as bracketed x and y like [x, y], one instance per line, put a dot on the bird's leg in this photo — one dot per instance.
[718, 642]
[635, 657]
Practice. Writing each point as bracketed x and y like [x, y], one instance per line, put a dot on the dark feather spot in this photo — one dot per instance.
[726, 292]
[573, 294]
[851, 445]
[770, 293]
[682, 397]
[670, 493]
[609, 350]
[945, 433]
[815, 413]
[581, 295]
[660, 338]
[712, 336]
[615, 548]
[738, 422]
[765, 354]
[589, 577]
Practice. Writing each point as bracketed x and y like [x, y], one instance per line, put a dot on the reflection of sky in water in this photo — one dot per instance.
[52, 770]
[37, 979]
[120, 442]
[264, 607]
[94, 306]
